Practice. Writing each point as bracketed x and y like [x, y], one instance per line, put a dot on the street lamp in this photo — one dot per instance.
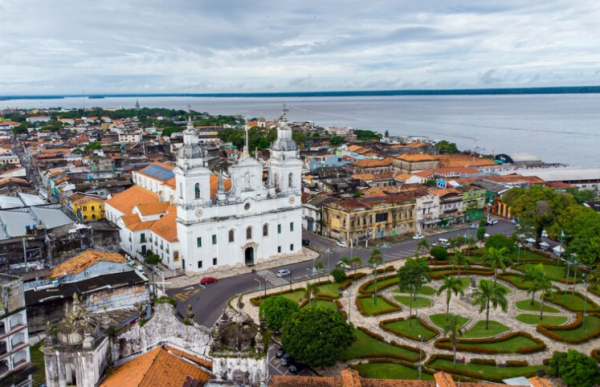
[420, 354]
[584, 302]
[519, 245]
[375, 292]
[562, 237]
[574, 278]
[567, 290]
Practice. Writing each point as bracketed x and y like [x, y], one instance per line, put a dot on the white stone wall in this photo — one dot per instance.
[234, 368]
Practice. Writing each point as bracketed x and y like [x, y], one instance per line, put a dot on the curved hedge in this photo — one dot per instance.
[382, 325]
[257, 300]
[452, 271]
[596, 355]
[394, 344]
[547, 330]
[363, 287]
[361, 309]
[591, 305]
[446, 343]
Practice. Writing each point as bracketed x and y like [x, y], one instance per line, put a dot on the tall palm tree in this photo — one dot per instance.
[451, 285]
[356, 262]
[546, 288]
[423, 245]
[459, 260]
[497, 259]
[454, 330]
[312, 290]
[471, 244]
[375, 259]
[533, 274]
[488, 295]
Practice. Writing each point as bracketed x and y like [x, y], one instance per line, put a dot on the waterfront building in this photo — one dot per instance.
[414, 162]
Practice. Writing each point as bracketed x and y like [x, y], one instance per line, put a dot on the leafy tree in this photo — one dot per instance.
[423, 245]
[91, 146]
[447, 148]
[499, 241]
[312, 291]
[497, 259]
[471, 244]
[299, 137]
[454, 330]
[366, 135]
[582, 227]
[439, 253]
[430, 183]
[339, 275]
[277, 310]
[450, 285]
[487, 296]
[481, 233]
[375, 260]
[412, 276]
[317, 336]
[151, 258]
[20, 129]
[336, 140]
[168, 131]
[458, 261]
[583, 195]
[575, 368]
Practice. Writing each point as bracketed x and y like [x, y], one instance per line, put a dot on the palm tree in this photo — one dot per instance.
[471, 244]
[346, 260]
[459, 260]
[533, 274]
[497, 259]
[487, 295]
[356, 262]
[546, 287]
[454, 330]
[423, 245]
[451, 285]
[375, 259]
[312, 290]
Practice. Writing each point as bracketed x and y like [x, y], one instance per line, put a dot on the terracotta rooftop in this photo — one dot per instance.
[415, 157]
[166, 227]
[6, 180]
[134, 196]
[448, 171]
[514, 178]
[460, 160]
[403, 176]
[444, 191]
[158, 367]
[372, 163]
[82, 261]
[373, 176]
[214, 185]
[146, 209]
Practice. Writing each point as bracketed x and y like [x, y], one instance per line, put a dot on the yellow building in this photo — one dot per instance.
[86, 207]
[354, 221]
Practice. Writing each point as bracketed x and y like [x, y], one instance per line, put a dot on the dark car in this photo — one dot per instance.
[305, 242]
[208, 280]
[280, 352]
[296, 367]
[286, 360]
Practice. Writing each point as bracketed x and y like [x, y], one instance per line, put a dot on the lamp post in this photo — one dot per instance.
[519, 245]
[584, 302]
[562, 237]
[568, 271]
[574, 279]
[328, 253]
[420, 354]
[375, 292]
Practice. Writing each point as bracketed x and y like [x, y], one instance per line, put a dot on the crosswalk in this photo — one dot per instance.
[391, 255]
[272, 278]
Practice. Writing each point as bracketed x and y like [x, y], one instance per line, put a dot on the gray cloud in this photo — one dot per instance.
[65, 46]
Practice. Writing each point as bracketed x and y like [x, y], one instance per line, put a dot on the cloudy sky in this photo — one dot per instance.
[125, 46]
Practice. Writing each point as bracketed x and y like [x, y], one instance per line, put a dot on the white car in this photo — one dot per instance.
[486, 235]
[283, 273]
[418, 236]
[344, 266]
[544, 234]
[473, 225]
[341, 244]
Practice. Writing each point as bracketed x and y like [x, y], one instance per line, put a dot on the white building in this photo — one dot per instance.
[252, 222]
[131, 137]
[428, 211]
[14, 332]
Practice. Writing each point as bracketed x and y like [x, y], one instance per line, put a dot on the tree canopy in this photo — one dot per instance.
[575, 368]
[446, 147]
[276, 310]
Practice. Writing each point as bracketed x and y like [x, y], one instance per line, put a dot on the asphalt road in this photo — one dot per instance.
[209, 301]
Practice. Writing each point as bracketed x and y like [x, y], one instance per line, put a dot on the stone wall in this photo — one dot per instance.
[242, 370]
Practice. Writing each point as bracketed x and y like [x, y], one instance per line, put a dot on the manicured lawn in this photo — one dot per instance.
[370, 308]
[591, 324]
[327, 304]
[511, 345]
[574, 303]
[516, 280]
[553, 272]
[390, 371]
[295, 296]
[488, 371]
[445, 272]
[439, 320]
[330, 289]
[526, 306]
[420, 302]
[381, 284]
[524, 256]
[414, 332]
[478, 330]
[534, 319]
[365, 345]
[425, 290]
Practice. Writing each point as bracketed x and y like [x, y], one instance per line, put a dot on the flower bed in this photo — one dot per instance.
[382, 283]
[366, 305]
[515, 342]
[426, 330]
[596, 355]
[573, 333]
[491, 373]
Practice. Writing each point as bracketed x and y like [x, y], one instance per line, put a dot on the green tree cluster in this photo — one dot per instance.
[336, 140]
[277, 310]
[366, 135]
[447, 148]
[575, 368]
[412, 276]
[499, 241]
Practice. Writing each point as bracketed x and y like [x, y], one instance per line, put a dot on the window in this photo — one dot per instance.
[249, 233]
[381, 218]
[199, 264]
[93, 208]
[142, 238]
[231, 238]
[291, 247]
[214, 239]
[266, 230]
[291, 226]
[279, 249]
[198, 242]
[278, 229]
[214, 261]
[197, 190]
[85, 208]
[181, 190]
[291, 180]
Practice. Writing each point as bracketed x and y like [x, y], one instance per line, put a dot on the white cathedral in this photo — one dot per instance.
[251, 222]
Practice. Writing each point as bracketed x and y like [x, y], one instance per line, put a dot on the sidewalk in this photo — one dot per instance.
[227, 271]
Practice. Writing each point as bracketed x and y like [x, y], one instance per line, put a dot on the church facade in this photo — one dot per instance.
[256, 220]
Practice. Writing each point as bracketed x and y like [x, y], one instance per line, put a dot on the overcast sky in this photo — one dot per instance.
[130, 46]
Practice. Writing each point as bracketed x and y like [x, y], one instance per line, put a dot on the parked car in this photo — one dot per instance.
[280, 352]
[297, 367]
[286, 360]
[341, 244]
[283, 273]
[473, 225]
[491, 222]
[418, 236]
[486, 235]
[305, 242]
[343, 265]
[208, 280]
[544, 234]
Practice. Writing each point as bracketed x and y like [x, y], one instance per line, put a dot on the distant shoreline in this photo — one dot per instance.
[312, 94]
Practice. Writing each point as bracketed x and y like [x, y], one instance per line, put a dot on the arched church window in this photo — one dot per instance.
[181, 190]
[249, 233]
[291, 180]
[266, 230]
[197, 190]
[231, 237]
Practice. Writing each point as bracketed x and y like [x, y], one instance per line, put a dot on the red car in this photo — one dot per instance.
[207, 280]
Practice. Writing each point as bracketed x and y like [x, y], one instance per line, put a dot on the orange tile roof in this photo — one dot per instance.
[146, 209]
[171, 182]
[214, 185]
[443, 171]
[158, 367]
[204, 362]
[354, 148]
[415, 157]
[82, 261]
[442, 379]
[417, 144]
[166, 227]
[79, 198]
[444, 191]
[460, 160]
[6, 180]
[372, 163]
[514, 178]
[539, 382]
[134, 196]
[373, 176]
[403, 176]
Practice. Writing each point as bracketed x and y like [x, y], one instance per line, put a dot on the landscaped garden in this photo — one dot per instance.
[440, 321]
[478, 330]
[419, 302]
[526, 306]
[390, 371]
[324, 303]
[516, 342]
[366, 346]
[372, 306]
[534, 319]
[410, 328]
[573, 302]
[577, 331]
[486, 372]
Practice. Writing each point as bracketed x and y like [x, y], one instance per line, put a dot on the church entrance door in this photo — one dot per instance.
[249, 253]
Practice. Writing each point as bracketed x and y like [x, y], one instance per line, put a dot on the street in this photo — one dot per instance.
[209, 301]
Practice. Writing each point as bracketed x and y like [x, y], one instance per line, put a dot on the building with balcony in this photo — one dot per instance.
[14, 332]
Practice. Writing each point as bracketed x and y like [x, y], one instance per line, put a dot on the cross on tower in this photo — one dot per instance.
[285, 109]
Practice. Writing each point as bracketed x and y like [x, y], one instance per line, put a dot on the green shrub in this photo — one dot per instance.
[439, 253]
[277, 310]
[499, 241]
[446, 343]
[491, 362]
[548, 330]
[339, 275]
[517, 363]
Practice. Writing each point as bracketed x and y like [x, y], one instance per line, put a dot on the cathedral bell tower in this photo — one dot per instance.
[191, 174]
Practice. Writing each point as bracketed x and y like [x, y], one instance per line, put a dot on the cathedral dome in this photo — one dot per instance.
[190, 148]
[284, 145]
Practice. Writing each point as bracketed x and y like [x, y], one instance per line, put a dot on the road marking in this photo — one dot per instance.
[184, 296]
[272, 278]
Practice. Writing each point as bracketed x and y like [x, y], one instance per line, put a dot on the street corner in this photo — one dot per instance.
[182, 295]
